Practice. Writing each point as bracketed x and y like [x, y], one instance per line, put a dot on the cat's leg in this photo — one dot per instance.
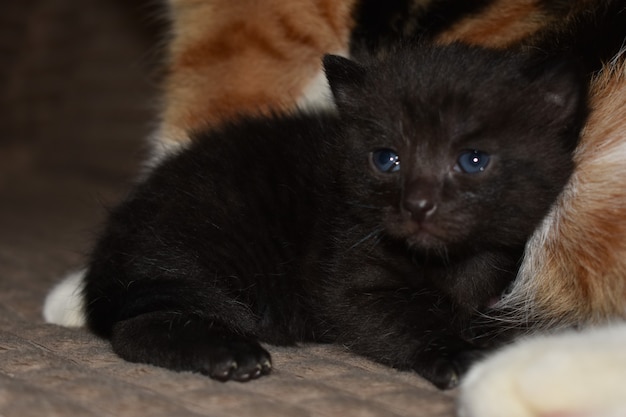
[184, 342]
[182, 322]
[574, 374]
[407, 329]
[445, 360]
[389, 309]
[64, 304]
[430, 349]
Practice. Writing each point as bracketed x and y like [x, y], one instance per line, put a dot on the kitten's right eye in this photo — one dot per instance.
[472, 162]
[386, 160]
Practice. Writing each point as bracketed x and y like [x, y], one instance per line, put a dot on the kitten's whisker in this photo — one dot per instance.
[442, 253]
[363, 206]
[377, 240]
[375, 233]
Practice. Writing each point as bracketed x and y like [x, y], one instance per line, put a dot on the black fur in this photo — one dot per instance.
[381, 24]
[281, 230]
[592, 32]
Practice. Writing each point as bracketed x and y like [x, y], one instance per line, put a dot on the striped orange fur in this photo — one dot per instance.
[503, 23]
[230, 57]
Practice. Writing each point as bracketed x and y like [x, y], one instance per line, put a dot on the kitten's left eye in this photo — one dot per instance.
[472, 162]
[386, 160]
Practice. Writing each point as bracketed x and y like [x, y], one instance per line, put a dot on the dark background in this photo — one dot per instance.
[78, 99]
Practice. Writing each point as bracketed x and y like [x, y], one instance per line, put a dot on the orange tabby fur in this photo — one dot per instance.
[230, 57]
[575, 266]
[500, 25]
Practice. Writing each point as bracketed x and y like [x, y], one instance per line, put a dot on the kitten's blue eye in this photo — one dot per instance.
[472, 162]
[386, 160]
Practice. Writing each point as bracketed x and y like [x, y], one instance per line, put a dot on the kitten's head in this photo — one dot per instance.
[458, 147]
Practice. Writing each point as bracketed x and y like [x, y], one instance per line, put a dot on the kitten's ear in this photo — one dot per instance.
[342, 74]
[564, 88]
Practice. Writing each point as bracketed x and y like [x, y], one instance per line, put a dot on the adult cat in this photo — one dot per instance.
[383, 228]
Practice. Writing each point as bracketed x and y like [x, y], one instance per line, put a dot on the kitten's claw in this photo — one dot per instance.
[446, 373]
[237, 361]
[220, 371]
[187, 344]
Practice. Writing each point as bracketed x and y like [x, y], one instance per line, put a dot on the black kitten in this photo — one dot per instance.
[382, 228]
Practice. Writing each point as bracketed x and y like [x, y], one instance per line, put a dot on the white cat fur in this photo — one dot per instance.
[65, 304]
[572, 374]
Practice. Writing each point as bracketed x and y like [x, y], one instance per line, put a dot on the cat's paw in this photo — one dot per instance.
[571, 374]
[446, 373]
[187, 343]
[238, 360]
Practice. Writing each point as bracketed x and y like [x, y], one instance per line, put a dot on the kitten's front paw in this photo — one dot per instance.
[237, 360]
[184, 343]
[446, 373]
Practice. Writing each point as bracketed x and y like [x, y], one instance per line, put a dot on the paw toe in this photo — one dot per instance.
[238, 361]
[445, 374]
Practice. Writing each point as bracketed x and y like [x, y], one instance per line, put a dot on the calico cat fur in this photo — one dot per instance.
[383, 228]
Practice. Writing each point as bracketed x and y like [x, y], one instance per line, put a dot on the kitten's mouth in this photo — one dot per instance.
[424, 235]
[420, 236]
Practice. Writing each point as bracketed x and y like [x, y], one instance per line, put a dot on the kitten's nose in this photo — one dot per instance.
[420, 208]
[420, 198]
